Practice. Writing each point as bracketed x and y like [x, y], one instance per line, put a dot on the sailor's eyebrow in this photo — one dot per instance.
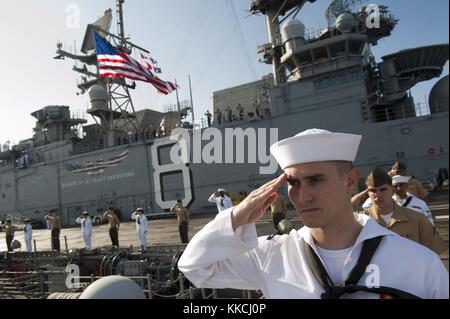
[315, 176]
[292, 179]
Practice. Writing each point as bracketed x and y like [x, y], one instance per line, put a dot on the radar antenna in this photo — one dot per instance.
[272, 51]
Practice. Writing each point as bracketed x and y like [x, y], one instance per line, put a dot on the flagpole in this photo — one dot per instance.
[110, 133]
[192, 103]
[178, 102]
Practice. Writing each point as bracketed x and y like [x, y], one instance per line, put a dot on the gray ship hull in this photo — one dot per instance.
[139, 175]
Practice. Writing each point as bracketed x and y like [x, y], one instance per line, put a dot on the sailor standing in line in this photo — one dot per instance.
[279, 210]
[27, 234]
[86, 228]
[208, 117]
[218, 113]
[183, 220]
[415, 187]
[114, 225]
[55, 222]
[405, 199]
[9, 232]
[240, 111]
[221, 199]
[332, 256]
[402, 197]
[400, 220]
[141, 227]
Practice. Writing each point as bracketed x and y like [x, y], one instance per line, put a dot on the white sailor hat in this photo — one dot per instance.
[139, 209]
[221, 190]
[398, 179]
[315, 145]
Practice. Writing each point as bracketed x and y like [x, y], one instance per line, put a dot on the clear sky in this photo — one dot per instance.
[196, 37]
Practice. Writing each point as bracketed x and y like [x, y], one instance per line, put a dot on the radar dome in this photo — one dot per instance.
[293, 33]
[113, 287]
[98, 96]
[438, 99]
[346, 22]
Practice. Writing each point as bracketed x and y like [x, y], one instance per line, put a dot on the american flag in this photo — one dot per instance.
[149, 63]
[113, 63]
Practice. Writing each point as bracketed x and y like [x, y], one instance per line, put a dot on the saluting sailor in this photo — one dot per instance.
[332, 256]
[86, 228]
[141, 227]
[221, 199]
[27, 234]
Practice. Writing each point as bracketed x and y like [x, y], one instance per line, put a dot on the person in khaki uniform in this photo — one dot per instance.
[403, 221]
[114, 225]
[279, 210]
[414, 186]
[9, 234]
[55, 223]
[183, 220]
[240, 111]
[218, 114]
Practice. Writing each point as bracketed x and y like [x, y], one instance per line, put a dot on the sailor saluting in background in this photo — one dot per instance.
[114, 225]
[221, 199]
[336, 254]
[55, 232]
[86, 228]
[141, 227]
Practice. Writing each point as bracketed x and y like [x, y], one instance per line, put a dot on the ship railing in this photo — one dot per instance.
[36, 285]
[26, 284]
[151, 286]
[390, 113]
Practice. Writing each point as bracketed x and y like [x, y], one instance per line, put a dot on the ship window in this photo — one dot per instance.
[343, 78]
[356, 75]
[331, 82]
[317, 84]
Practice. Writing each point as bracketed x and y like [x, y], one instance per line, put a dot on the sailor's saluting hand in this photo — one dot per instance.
[255, 204]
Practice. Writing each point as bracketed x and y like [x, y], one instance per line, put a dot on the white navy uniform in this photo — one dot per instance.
[28, 235]
[218, 257]
[221, 202]
[86, 230]
[141, 228]
[415, 204]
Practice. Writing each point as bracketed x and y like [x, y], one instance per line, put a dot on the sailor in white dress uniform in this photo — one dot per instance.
[221, 199]
[141, 227]
[86, 228]
[28, 234]
[227, 253]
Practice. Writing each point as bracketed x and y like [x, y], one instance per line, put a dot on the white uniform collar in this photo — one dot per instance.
[370, 229]
[408, 194]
